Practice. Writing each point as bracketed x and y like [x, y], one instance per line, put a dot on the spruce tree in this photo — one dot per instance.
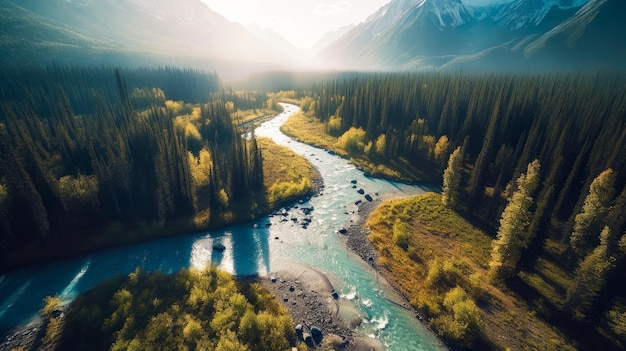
[590, 277]
[512, 235]
[452, 179]
[588, 223]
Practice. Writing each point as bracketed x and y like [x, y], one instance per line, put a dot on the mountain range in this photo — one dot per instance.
[402, 35]
[525, 35]
[135, 32]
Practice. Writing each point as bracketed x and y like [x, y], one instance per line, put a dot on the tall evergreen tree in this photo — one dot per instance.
[452, 179]
[588, 223]
[512, 235]
[590, 277]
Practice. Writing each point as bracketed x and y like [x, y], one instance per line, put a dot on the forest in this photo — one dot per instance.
[115, 155]
[535, 160]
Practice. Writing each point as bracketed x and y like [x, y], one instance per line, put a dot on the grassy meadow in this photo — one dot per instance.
[439, 261]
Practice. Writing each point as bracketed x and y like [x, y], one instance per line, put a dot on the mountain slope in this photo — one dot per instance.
[591, 35]
[133, 30]
[516, 34]
[330, 37]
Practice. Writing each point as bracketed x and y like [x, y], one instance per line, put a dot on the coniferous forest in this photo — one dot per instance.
[103, 152]
[574, 125]
[536, 160]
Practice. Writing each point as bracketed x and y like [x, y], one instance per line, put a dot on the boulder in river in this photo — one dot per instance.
[219, 247]
[299, 330]
[307, 339]
[316, 333]
[369, 198]
[361, 191]
[342, 231]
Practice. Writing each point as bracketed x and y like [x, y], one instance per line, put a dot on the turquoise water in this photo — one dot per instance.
[269, 244]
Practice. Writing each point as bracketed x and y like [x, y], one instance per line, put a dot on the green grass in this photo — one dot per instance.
[549, 280]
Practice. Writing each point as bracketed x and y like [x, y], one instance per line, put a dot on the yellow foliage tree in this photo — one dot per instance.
[512, 236]
[441, 149]
[353, 141]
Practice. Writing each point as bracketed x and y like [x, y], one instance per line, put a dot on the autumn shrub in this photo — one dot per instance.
[353, 141]
[334, 126]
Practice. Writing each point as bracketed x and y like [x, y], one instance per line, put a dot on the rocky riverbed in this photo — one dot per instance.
[312, 302]
[308, 294]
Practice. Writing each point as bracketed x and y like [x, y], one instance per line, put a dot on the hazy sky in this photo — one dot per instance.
[304, 22]
[301, 22]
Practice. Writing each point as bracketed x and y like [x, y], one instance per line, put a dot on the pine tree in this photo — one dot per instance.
[452, 179]
[512, 235]
[590, 277]
[588, 223]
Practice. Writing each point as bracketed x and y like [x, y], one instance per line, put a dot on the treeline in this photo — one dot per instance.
[77, 155]
[570, 127]
[83, 86]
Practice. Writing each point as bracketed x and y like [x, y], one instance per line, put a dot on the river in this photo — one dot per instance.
[269, 244]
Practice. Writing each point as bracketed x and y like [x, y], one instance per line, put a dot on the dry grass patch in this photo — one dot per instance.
[287, 176]
[446, 253]
[312, 131]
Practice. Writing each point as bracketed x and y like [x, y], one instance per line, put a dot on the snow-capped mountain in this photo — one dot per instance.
[388, 16]
[467, 34]
[446, 13]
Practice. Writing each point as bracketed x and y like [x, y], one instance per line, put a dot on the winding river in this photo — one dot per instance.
[269, 244]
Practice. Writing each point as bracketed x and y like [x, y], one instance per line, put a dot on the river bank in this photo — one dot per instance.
[312, 302]
[121, 234]
[358, 242]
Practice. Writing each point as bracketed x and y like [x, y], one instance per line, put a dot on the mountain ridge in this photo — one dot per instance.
[449, 34]
[130, 32]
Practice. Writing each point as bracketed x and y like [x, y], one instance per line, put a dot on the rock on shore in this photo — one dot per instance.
[308, 296]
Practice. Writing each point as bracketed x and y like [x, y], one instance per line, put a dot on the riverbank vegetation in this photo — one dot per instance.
[100, 156]
[310, 130]
[442, 265]
[188, 310]
[556, 243]
[287, 176]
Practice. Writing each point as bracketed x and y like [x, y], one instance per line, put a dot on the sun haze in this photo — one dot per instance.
[301, 22]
